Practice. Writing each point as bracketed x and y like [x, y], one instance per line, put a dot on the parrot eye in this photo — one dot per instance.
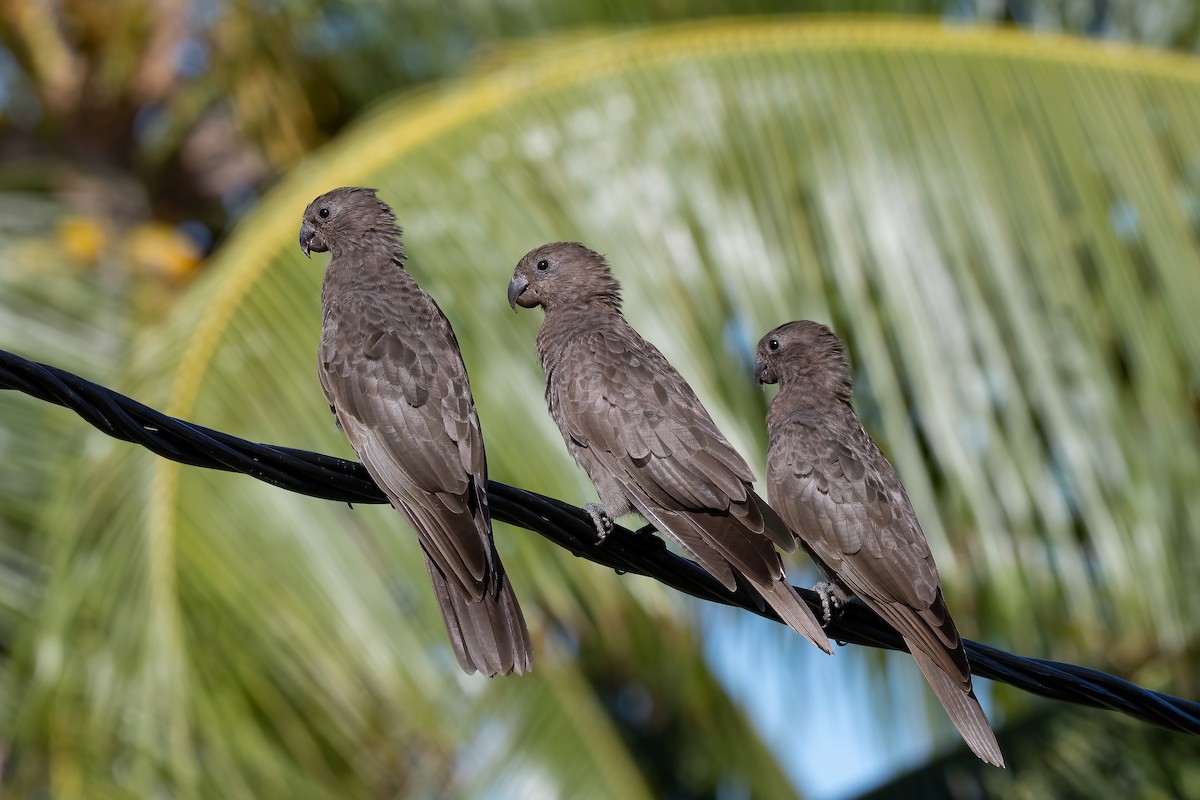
[773, 345]
[543, 265]
[323, 213]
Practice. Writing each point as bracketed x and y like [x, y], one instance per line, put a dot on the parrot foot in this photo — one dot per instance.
[600, 519]
[831, 601]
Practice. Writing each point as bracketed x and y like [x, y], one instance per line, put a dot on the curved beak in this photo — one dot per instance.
[306, 237]
[312, 240]
[516, 287]
[763, 374]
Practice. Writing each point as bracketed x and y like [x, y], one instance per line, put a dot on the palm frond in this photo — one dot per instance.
[1003, 227]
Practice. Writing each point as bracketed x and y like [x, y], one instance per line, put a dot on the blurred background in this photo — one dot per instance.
[996, 204]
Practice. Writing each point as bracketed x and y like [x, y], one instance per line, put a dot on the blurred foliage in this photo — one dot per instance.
[1004, 227]
[202, 103]
[74, 318]
[1095, 755]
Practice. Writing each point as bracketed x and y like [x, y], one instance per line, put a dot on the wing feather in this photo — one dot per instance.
[401, 394]
[625, 399]
[832, 491]
[629, 413]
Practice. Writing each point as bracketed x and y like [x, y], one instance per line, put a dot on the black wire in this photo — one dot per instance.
[568, 526]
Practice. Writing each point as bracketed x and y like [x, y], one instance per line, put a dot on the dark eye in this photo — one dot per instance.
[323, 213]
[543, 265]
[773, 345]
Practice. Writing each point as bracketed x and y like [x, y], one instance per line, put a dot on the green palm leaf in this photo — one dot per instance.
[1004, 228]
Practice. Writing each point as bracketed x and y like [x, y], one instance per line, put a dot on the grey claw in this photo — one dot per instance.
[600, 518]
[830, 601]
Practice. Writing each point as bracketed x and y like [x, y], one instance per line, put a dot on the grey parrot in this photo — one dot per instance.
[395, 379]
[844, 501]
[643, 437]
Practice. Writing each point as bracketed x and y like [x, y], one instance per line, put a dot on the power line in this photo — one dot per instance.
[567, 526]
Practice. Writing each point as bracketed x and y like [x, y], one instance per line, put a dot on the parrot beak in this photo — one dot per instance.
[763, 374]
[516, 287]
[311, 241]
[306, 234]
